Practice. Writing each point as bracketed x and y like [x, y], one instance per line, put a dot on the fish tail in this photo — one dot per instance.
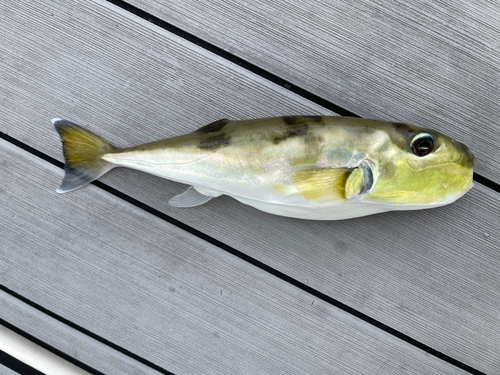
[82, 153]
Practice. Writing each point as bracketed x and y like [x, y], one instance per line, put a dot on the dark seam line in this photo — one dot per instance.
[243, 256]
[234, 59]
[16, 365]
[258, 71]
[76, 327]
[43, 344]
[487, 182]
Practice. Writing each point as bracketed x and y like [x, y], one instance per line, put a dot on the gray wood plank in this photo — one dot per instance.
[434, 64]
[66, 339]
[7, 371]
[169, 297]
[430, 274]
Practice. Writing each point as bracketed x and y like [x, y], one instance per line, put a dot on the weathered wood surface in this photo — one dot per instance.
[7, 371]
[169, 297]
[62, 337]
[430, 274]
[434, 63]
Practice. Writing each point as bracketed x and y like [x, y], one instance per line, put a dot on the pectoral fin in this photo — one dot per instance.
[321, 185]
[360, 181]
[190, 198]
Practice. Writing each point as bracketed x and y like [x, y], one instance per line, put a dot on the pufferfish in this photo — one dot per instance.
[307, 167]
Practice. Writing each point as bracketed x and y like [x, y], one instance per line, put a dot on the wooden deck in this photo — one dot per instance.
[114, 280]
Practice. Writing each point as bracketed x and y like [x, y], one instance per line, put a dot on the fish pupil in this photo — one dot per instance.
[423, 145]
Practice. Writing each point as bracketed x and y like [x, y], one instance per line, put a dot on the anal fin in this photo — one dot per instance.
[190, 198]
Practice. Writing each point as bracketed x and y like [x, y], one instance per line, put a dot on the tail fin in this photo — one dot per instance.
[82, 153]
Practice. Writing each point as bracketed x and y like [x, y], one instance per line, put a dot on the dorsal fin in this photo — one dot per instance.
[213, 127]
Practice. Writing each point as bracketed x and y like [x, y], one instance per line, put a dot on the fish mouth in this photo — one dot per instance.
[470, 185]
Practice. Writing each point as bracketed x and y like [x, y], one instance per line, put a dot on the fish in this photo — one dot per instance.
[306, 167]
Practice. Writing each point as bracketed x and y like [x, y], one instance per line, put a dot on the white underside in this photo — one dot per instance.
[341, 211]
[346, 210]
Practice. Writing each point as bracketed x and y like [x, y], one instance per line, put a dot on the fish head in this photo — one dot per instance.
[421, 167]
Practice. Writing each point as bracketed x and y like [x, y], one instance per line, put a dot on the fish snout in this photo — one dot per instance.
[468, 157]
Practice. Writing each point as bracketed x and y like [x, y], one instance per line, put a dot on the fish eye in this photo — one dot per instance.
[422, 144]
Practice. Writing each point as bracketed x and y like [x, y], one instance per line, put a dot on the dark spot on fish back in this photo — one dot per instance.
[214, 142]
[277, 139]
[314, 119]
[213, 127]
[291, 120]
[295, 126]
[296, 131]
[289, 133]
[295, 120]
[404, 129]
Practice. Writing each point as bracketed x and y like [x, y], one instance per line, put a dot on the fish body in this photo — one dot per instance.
[310, 167]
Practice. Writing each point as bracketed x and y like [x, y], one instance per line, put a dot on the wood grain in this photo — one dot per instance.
[167, 296]
[430, 274]
[434, 64]
[66, 339]
[7, 371]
